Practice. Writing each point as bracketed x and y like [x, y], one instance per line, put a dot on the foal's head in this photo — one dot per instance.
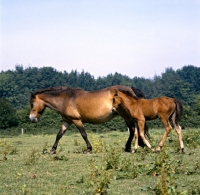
[117, 102]
[122, 101]
[37, 107]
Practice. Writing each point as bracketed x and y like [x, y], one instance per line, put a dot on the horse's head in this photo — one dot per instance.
[37, 107]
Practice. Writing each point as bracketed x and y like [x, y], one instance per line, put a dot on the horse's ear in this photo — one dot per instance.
[32, 95]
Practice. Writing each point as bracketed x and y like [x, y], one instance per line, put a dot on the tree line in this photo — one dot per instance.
[16, 85]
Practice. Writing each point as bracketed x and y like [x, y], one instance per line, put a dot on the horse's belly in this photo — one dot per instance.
[98, 119]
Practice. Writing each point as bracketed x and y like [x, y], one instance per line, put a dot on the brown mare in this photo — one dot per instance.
[139, 110]
[77, 106]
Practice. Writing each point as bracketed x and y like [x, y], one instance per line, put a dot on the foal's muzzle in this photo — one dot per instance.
[33, 118]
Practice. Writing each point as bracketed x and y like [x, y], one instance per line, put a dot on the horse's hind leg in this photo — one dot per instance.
[58, 137]
[79, 125]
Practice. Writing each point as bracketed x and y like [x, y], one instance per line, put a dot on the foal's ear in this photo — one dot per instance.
[114, 92]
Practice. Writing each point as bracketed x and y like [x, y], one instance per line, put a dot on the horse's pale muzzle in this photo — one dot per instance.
[33, 118]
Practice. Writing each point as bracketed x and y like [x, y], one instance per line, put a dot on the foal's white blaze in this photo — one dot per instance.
[33, 118]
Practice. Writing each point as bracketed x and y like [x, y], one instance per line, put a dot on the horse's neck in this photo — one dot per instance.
[52, 102]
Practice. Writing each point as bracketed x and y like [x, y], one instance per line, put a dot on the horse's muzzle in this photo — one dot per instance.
[33, 118]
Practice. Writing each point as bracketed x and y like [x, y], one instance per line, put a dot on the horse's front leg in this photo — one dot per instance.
[79, 125]
[131, 129]
[58, 137]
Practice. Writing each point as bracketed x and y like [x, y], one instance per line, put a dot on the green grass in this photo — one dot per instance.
[27, 168]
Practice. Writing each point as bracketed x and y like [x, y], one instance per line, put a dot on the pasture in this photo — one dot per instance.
[26, 167]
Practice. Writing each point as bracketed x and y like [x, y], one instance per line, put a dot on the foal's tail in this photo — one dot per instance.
[178, 112]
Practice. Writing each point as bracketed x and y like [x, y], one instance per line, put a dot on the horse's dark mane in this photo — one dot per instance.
[138, 92]
[134, 93]
[130, 95]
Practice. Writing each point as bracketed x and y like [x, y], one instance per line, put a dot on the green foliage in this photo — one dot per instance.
[7, 114]
[15, 88]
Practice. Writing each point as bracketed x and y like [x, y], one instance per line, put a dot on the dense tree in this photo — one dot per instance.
[7, 114]
[16, 86]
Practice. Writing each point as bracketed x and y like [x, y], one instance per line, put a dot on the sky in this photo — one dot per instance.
[132, 37]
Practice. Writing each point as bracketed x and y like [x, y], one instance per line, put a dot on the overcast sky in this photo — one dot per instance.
[132, 37]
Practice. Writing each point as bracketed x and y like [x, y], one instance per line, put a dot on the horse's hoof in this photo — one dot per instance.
[127, 150]
[134, 151]
[52, 151]
[87, 152]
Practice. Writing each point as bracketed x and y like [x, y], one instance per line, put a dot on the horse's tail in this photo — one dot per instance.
[179, 110]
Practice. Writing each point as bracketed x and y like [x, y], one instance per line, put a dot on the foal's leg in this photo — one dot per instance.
[135, 140]
[79, 125]
[179, 132]
[141, 125]
[168, 129]
[59, 135]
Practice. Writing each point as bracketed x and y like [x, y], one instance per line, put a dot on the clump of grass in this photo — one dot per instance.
[76, 143]
[112, 156]
[32, 157]
[166, 168]
[81, 149]
[59, 155]
[97, 143]
[191, 139]
[99, 178]
[24, 189]
[45, 150]
[127, 169]
[7, 148]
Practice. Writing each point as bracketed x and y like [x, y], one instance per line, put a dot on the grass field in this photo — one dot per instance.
[26, 167]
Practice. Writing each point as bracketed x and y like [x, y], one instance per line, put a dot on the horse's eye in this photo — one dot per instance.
[31, 105]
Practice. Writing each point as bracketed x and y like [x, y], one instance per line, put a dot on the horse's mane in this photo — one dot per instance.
[138, 92]
[130, 94]
[57, 90]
